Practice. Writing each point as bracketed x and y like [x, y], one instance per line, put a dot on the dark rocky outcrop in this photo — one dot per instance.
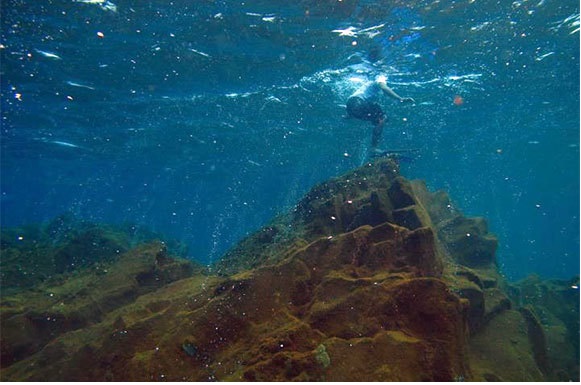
[370, 278]
[35, 253]
[551, 308]
[33, 319]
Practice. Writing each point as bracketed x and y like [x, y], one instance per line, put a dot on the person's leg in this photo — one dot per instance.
[370, 112]
[376, 135]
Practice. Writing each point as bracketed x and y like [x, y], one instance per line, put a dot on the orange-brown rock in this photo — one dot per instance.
[368, 279]
[32, 319]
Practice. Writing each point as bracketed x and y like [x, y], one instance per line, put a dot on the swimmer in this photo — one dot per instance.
[362, 104]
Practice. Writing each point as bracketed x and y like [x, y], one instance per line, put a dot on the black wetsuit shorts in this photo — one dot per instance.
[359, 108]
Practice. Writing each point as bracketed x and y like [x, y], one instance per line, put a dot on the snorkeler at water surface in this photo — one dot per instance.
[363, 105]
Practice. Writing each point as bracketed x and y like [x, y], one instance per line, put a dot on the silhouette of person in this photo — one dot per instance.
[363, 104]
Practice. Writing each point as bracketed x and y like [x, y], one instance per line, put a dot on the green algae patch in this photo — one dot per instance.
[322, 356]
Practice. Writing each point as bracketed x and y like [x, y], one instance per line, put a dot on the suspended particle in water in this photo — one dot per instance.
[100, 35]
[458, 100]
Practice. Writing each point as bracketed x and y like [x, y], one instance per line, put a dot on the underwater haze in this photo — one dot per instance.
[203, 120]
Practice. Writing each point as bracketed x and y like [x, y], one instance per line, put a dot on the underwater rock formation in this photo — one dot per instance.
[35, 253]
[370, 278]
[33, 319]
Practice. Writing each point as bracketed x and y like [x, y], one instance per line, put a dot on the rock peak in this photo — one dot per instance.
[370, 277]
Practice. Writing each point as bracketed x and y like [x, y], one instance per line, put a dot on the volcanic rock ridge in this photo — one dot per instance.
[371, 277]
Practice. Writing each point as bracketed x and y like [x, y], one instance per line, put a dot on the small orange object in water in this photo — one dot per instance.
[458, 100]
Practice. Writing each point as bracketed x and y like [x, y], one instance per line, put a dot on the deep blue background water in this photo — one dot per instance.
[203, 119]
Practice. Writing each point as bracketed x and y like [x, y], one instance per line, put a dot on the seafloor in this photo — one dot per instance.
[370, 278]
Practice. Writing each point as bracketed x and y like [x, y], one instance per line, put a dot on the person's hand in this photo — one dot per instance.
[408, 100]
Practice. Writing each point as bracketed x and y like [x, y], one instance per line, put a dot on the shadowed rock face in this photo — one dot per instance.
[370, 278]
[33, 319]
[34, 254]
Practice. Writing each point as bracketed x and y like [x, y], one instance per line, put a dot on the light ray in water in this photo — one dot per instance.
[199, 52]
[73, 84]
[544, 56]
[105, 5]
[49, 55]
[62, 143]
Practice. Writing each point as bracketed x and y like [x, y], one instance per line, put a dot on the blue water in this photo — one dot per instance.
[204, 119]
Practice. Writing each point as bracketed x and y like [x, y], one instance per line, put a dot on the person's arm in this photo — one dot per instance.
[392, 93]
